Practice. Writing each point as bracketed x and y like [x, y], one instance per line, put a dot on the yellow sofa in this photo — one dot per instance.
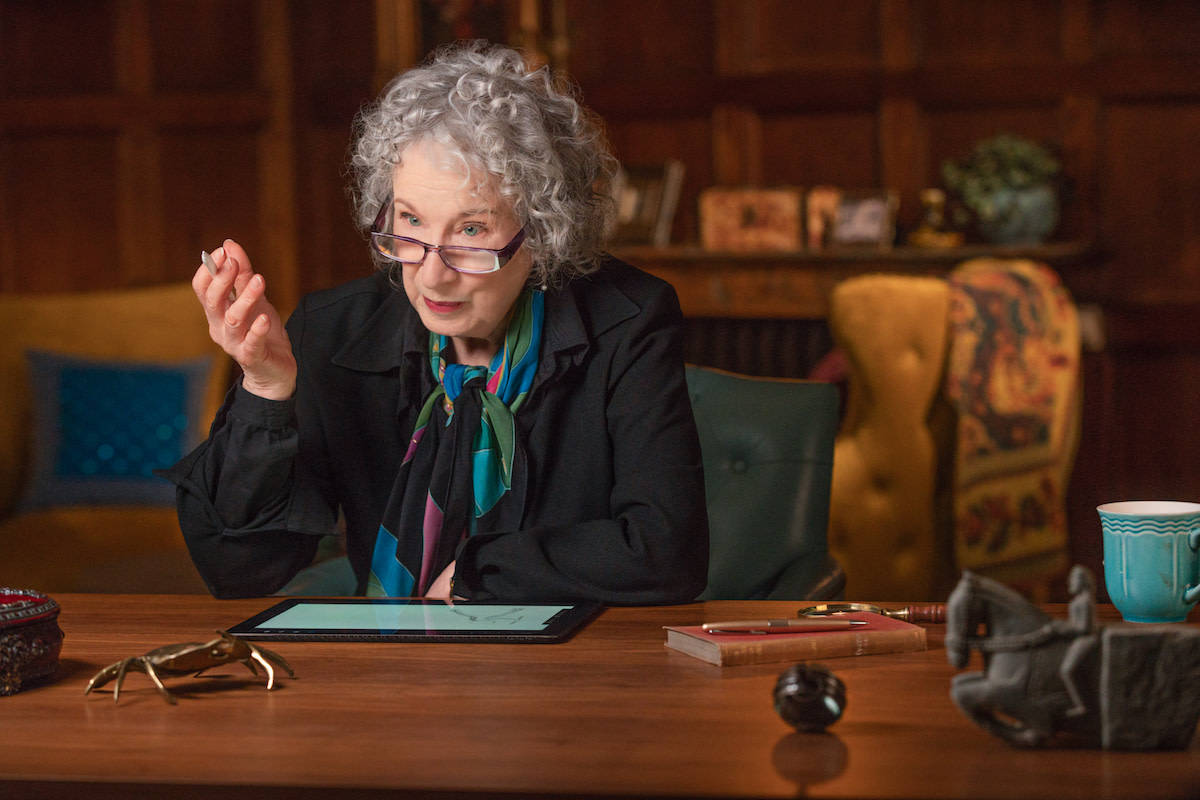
[58, 534]
[960, 429]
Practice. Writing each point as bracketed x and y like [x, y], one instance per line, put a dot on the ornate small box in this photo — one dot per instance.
[30, 639]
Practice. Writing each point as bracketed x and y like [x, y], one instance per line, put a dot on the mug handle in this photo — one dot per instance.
[1192, 593]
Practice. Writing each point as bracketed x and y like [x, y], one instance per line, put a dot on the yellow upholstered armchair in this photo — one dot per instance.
[98, 389]
[960, 430]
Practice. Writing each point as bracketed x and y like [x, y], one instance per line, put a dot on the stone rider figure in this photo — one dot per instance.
[1081, 621]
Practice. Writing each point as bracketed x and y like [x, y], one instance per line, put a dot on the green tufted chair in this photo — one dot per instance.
[767, 446]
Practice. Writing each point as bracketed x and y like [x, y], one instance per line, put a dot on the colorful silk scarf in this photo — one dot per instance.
[460, 461]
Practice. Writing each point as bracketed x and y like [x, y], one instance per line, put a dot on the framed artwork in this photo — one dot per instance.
[865, 218]
[646, 198]
[746, 219]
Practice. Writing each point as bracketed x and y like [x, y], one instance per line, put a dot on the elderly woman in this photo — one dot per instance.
[498, 412]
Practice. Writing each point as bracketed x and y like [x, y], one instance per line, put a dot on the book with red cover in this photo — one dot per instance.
[880, 635]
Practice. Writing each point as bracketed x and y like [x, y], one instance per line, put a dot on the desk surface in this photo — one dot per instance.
[611, 712]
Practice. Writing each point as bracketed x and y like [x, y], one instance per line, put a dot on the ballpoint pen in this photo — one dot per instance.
[781, 625]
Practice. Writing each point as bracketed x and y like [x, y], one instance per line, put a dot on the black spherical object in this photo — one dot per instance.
[809, 697]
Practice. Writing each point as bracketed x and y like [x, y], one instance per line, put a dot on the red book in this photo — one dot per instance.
[880, 635]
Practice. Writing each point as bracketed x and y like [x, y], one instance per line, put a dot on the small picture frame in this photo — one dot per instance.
[820, 213]
[751, 219]
[646, 198]
[865, 218]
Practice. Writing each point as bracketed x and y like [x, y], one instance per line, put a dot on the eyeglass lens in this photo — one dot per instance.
[460, 258]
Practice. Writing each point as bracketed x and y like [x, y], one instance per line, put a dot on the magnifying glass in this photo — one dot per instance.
[935, 612]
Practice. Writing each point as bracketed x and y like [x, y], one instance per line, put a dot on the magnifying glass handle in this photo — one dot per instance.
[934, 612]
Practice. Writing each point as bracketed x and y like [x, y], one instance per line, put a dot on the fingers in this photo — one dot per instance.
[242, 271]
[220, 289]
[244, 323]
[241, 310]
[269, 369]
[440, 589]
[229, 307]
[215, 291]
[254, 345]
[200, 283]
[231, 248]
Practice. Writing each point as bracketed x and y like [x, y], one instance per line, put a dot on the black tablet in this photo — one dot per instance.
[388, 619]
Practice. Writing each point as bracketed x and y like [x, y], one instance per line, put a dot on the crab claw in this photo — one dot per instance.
[102, 677]
[265, 657]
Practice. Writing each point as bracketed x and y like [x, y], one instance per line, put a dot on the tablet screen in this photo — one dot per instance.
[411, 619]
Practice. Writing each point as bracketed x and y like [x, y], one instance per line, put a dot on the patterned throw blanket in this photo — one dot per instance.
[1013, 378]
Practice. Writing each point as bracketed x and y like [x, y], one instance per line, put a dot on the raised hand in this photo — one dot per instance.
[245, 324]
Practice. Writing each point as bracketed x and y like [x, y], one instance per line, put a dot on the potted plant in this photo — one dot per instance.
[1010, 185]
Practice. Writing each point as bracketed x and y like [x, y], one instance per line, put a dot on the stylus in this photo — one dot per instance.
[211, 266]
[781, 625]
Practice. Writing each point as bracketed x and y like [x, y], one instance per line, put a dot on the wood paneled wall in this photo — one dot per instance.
[873, 93]
[133, 133]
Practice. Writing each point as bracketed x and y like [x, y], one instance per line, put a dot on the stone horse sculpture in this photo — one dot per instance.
[1124, 686]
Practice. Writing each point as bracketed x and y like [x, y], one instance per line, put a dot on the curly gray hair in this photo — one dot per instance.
[516, 132]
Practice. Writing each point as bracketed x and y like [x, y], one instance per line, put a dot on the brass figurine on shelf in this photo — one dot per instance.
[1122, 686]
[934, 231]
[191, 658]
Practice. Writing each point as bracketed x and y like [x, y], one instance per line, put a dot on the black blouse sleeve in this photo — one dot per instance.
[250, 510]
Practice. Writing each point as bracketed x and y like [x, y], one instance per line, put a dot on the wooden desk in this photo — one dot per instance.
[611, 712]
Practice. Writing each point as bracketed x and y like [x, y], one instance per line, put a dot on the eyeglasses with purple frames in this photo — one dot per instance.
[471, 260]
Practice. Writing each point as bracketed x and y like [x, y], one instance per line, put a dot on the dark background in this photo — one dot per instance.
[133, 133]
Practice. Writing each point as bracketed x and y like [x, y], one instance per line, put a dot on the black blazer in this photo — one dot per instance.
[614, 507]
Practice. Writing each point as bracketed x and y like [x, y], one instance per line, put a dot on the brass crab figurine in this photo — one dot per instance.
[191, 658]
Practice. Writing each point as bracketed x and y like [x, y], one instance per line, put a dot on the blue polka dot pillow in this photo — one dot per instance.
[103, 427]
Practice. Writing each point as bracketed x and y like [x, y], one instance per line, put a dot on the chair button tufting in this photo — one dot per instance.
[738, 466]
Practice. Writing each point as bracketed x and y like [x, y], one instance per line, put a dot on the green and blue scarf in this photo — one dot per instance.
[460, 460]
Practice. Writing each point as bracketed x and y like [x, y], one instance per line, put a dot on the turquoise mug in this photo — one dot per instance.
[1152, 558]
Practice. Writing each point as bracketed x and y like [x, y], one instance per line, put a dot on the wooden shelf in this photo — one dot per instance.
[797, 285]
